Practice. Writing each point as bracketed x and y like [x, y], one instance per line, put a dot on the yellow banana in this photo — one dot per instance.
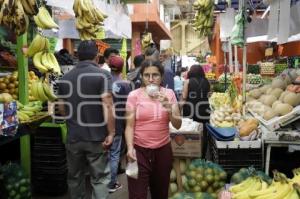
[37, 45]
[37, 58]
[27, 8]
[22, 116]
[245, 193]
[41, 93]
[282, 190]
[48, 92]
[46, 62]
[34, 91]
[84, 5]
[240, 187]
[56, 67]
[45, 18]
[76, 8]
[38, 22]
[292, 195]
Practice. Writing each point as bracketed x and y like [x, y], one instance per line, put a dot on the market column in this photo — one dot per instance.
[23, 98]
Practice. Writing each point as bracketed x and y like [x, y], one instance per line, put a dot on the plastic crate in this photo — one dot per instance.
[50, 163]
[233, 159]
[45, 157]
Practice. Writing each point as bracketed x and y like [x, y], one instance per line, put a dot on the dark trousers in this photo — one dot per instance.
[154, 172]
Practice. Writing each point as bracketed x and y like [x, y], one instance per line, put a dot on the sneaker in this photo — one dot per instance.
[115, 188]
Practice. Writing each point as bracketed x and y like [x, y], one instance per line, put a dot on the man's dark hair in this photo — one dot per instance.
[109, 51]
[137, 61]
[87, 50]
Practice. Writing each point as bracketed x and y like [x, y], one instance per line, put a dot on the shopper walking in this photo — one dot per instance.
[121, 89]
[108, 53]
[178, 85]
[149, 110]
[195, 99]
[87, 103]
[135, 76]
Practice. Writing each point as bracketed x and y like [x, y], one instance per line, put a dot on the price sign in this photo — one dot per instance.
[102, 46]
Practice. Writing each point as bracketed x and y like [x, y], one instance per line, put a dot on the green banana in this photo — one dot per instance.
[44, 20]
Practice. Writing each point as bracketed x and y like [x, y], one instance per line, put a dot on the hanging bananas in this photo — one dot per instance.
[146, 40]
[44, 20]
[46, 62]
[42, 91]
[204, 17]
[13, 16]
[30, 7]
[39, 43]
[89, 19]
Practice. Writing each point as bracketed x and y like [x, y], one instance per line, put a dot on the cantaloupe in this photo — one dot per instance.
[262, 98]
[291, 99]
[269, 100]
[264, 88]
[269, 114]
[283, 109]
[276, 92]
[283, 94]
[275, 103]
[278, 83]
[269, 90]
[255, 93]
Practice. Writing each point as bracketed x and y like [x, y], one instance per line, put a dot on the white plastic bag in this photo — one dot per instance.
[132, 169]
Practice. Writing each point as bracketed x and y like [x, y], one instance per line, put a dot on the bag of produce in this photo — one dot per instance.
[204, 176]
[15, 181]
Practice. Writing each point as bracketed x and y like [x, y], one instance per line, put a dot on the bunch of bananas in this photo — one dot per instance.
[13, 16]
[89, 19]
[38, 44]
[26, 112]
[255, 188]
[30, 7]
[44, 20]
[42, 91]
[46, 61]
[146, 40]
[204, 17]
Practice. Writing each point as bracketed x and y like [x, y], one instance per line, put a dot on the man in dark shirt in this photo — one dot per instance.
[87, 104]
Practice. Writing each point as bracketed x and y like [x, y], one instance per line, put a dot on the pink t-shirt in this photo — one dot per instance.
[151, 128]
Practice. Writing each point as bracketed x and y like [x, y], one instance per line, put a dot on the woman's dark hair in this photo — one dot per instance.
[178, 73]
[196, 71]
[147, 63]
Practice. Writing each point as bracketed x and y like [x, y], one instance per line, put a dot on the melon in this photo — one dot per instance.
[269, 114]
[283, 109]
[275, 103]
[276, 92]
[291, 99]
[264, 88]
[278, 83]
[269, 100]
[255, 93]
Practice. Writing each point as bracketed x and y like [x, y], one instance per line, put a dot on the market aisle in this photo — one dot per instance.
[120, 194]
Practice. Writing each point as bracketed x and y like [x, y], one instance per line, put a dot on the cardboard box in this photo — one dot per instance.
[187, 143]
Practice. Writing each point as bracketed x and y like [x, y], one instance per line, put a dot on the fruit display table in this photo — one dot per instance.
[272, 143]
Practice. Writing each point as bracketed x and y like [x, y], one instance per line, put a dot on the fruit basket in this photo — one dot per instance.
[277, 122]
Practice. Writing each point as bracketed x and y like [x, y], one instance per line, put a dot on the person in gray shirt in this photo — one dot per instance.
[87, 104]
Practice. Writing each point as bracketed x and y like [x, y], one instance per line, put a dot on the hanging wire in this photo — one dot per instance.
[147, 16]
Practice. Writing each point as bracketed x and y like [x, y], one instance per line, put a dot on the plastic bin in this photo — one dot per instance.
[234, 157]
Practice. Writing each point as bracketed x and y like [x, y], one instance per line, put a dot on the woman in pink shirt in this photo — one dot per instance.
[149, 110]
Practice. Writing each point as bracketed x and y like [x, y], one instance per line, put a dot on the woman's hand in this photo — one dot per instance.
[161, 96]
[131, 154]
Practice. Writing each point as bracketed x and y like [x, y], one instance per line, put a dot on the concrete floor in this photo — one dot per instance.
[120, 194]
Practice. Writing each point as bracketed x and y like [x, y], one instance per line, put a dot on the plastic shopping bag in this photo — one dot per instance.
[132, 169]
